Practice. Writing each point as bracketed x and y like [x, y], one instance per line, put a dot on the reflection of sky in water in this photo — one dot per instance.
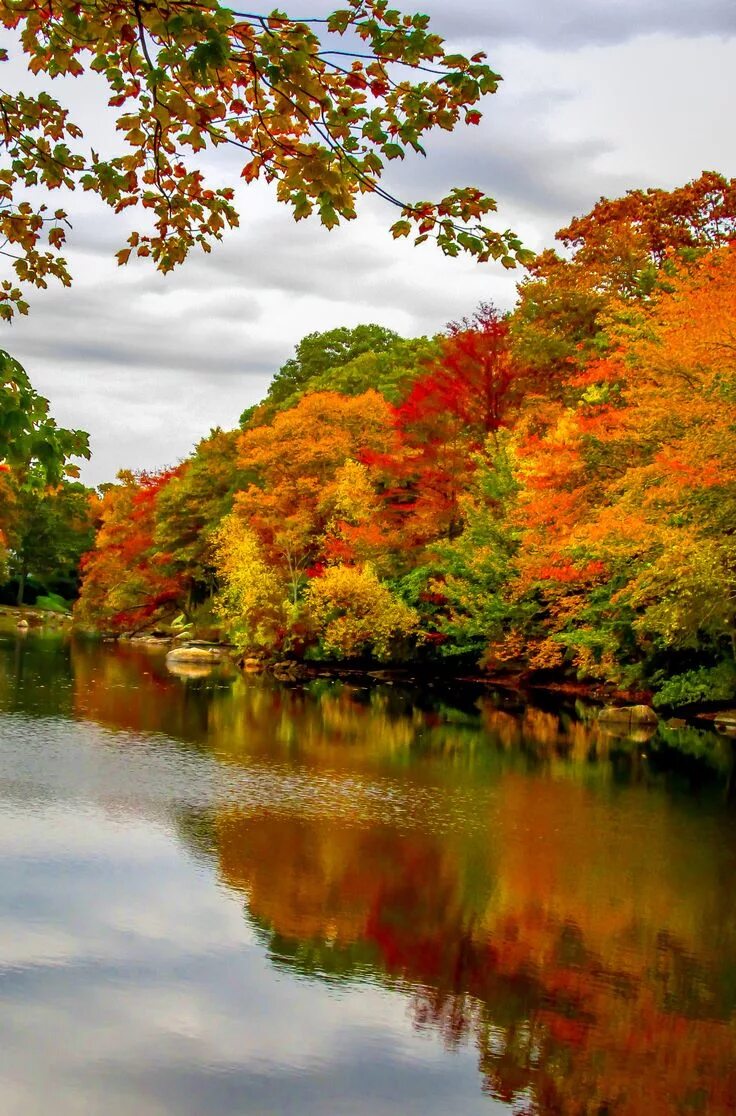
[130, 981]
[228, 897]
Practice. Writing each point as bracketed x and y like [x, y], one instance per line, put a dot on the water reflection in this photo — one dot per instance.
[552, 902]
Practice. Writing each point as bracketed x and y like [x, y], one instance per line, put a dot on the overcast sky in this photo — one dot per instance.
[598, 96]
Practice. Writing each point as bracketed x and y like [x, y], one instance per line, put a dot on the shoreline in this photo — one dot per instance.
[412, 674]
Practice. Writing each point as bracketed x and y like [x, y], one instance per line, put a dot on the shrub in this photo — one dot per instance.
[716, 683]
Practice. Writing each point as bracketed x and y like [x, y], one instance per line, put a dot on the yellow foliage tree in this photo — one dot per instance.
[355, 613]
[253, 599]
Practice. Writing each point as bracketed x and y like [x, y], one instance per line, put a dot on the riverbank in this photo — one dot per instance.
[179, 647]
[14, 618]
[425, 674]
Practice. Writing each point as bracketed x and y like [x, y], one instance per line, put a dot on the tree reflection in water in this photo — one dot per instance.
[558, 896]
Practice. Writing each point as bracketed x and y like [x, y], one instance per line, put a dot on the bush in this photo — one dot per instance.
[357, 614]
[52, 602]
[706, 684]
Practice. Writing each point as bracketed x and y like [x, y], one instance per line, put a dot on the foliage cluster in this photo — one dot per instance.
[317, 107]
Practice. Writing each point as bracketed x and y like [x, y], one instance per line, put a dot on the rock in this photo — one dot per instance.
[676, 723]
[614, 714]
[252, 666]
[197, 655]
[628, 715]
[191, 670]
[725, 722]
[643, 715]
[22, 625]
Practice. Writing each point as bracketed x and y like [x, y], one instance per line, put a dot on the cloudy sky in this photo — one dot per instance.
[598, 96]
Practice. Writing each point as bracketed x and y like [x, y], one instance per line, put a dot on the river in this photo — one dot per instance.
[225, 896]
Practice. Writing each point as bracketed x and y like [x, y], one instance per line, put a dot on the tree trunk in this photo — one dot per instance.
[21, 587]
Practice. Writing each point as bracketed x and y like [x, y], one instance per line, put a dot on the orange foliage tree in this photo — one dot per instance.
[298, 460]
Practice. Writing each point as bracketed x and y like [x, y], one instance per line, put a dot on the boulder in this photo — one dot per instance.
[22, 625]
[252, 665]
[211, 654]
[628, 715]
[191, 670]
[151, 639]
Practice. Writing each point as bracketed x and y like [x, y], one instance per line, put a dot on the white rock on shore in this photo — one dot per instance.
[197, 655]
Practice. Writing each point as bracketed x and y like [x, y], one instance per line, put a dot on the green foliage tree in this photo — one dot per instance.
[390, 371]
[318, 355]
[191, 506]
[472, 603]
[29, 436]
[51, 529]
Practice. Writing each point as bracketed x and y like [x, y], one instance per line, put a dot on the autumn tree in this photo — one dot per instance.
[253, 598]
[463, 398]
[356, 614]
[627, 496]
[127, 583]
[292, 501]
[191, 505]
[617, 253]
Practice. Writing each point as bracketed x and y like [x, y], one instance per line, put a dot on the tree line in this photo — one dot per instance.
[549, 492]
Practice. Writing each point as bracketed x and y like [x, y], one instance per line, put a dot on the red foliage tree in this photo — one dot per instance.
[126, 582]
[445, 421]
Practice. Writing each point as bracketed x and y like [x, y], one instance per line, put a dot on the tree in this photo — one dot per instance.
[293, 500]
[390, 371]
[8, 498]
[317, 107]
[50, 529]
[126, 583]
[191, 505]
[462, 399]
[319, 354]
[627, 493]
[253, 599]
[620, 242]
[618, 253]
[357, 614]
[472, 385]
[471, 605]
[29, 437]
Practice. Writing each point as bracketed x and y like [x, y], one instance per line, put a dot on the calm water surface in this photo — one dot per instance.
[222, 896]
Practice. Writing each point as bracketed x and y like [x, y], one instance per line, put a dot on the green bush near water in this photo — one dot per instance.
[716, 683]
[52, 602]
